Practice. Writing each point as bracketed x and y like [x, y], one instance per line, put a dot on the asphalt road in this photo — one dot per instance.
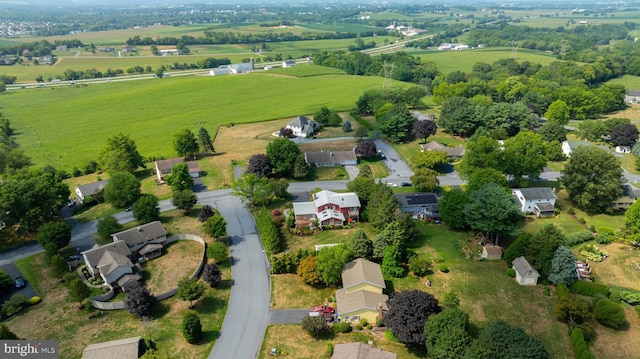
[399, 171]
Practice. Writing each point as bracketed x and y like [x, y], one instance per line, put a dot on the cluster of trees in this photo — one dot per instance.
[12, 158]
[269, 233]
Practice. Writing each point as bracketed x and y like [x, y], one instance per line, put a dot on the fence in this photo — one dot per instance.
[100, 301]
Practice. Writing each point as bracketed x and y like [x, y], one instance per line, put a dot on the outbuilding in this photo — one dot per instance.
[525, 273]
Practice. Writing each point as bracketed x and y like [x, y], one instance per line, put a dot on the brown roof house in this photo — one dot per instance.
[331, 158]
[146, 240]
[360, 351]
[128, 348]
[452, 152]
[525, 273]
[112, 263]
[163, 168]
[89, 189]
[491, 252]
[361, 294]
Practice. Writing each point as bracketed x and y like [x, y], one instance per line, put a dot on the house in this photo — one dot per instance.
[112, 263]
[165, 52]
[147, 239]
[538, 200]
[242, 68]
[61, 48]
[360, 351]
[331, 158]
[623, 149]
[423, 116]
[491, 252]
[570, 146]
[288, 63]
[525, 273]
[632, 97]
[361, 295]
[163, 167]
[328, 209]
[419, 205]
[128, 48]
[629, 195]
[302, 126]
[452, 152]
[128, 348]
[89, 189]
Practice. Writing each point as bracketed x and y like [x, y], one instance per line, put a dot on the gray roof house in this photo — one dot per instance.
[452, 152]
[361, 295]
[303, 126]
[331, 158]
[537, 200]
[89, 189]
[360, 351]
[525, 273]
[632, 97]
[138, 238]
[111, 262]
[128, 348]
[163, 168]
[629, 195]
[415, 203]
[361, 271]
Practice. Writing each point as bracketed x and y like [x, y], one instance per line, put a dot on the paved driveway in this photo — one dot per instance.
[14, 272]
[399, 171]
[287, 316]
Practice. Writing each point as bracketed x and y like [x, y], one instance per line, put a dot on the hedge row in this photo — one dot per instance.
[288, 262]
[577, 238]
[580, 345]
[269, 233]
[590, 289]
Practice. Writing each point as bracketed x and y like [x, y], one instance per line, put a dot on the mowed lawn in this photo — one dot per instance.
[67, 127]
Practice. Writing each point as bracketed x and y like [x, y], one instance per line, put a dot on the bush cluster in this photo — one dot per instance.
[629, 297]
[511, 272]
[609, 313]
[589, 289]
[577, 238]
[580, 345]
[343, 327]
[288, 262]
[271, 238]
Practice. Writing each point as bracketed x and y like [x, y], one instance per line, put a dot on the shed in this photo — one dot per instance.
[525, 273]
[491, 252]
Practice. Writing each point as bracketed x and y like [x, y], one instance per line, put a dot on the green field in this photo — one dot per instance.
[152, 111]
[629, 81]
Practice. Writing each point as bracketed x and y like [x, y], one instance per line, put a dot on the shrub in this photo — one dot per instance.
[577, 238]
[609, 313]
[191, 328]
[364, 321]
[269, 233]
[562, 290]
[276, 213]
[388, 336]
[589, 289]
[368, 327]
[638, 310]
[35, 300]
[329, 349]
[511, 272]
[217, 251]
[632, 298]
[443, 268]
[359, 327]
[288, 262]
[603, 238]
[579, 344]
[419, 265]
[380, 322]
[571, 211]
[13, 305]
[343, 327]
[546, 291]
[614, 296]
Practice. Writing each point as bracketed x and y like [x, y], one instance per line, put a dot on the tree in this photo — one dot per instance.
[218, 251]
[190, 289]
[425, 179]
[525, 154]
[558, 112]
[451, 208]
[6, 282]
[482, 176]
[330, 262]
[300, 167]
[542, 246]
[592, 179]
[482, 152]
[624, 135]
[609, 313]
[419, 265]
[286, 132]
[191, 328]
[107, 226]
[361, 133]
[120, 155]
[430, 159]
[408, 312]
[502, 341]
[424, 129]
[59, 266]
[346, 126]
[553, 131]
[252, 189]
[215, 226]
[6, 333]
[325, 117]
[308, 271]
[396, 123]
[366, 149]
[492, 210]
[279, 187]
[314, 326]
[571, 309]
[180, 179]
[184, 200]
[364, 170]
[185, 143]
[78, 291]
[204, 140]
[282, 153]
[363, 187]
[122, 190]
[457, 116]
[260, 165]
[58, 233]
[205, 212]
[563, 267]
[212, 275]
[360, 246]
[392, 263]
[139, 302]
[146, 209]
[447, 334]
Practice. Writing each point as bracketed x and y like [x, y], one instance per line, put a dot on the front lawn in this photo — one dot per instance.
[288, 291]
[179, 259]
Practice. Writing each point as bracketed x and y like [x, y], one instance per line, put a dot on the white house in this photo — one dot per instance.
[525, 273]
[538, 200]
[623, 149]
[288, 63]
[632, 97]
[303, 126]
[570, 146]
[89, 189]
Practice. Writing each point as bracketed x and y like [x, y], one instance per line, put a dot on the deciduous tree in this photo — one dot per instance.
[212, 275]
[330, 261]
[447, 334]
[429, 159]
[482, 176]
[452, 208]
[314, 326]
[260, 165]
[204, 140]
[122, 190]
[180, 179]
[184, 200]
[396, 123]
[501, 341]
[205, 212]
[185, 143]
[120, 155]
[624, 135]
[360, 133]
[558, 112]
[571, 309]
[252, 189]
[58, 233]
[308, 271]
[190, 289]
[282, 153]
[78, 291]
[107, 226]
[366, 149]
[139, 302]
[408, 313]
[424, 129]
[492, 210]
[425, 179]
[146, 209]
[392, 263]
[525, 154]
[215, 226]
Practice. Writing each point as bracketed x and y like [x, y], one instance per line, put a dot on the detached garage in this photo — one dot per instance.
[525, 273]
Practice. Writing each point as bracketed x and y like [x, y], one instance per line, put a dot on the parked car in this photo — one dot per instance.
[323, 308]
[128, 209]
[328, 317]
[406, 184]
[20, 282]
[382, 156]
[71, 203]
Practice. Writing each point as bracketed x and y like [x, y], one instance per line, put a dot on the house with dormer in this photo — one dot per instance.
[112, 263]
[303, 126]
[328, 209]
[146, 240]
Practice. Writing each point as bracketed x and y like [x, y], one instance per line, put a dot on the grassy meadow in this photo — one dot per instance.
[152, 111]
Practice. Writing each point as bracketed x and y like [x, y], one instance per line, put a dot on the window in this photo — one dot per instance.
[333, 207]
